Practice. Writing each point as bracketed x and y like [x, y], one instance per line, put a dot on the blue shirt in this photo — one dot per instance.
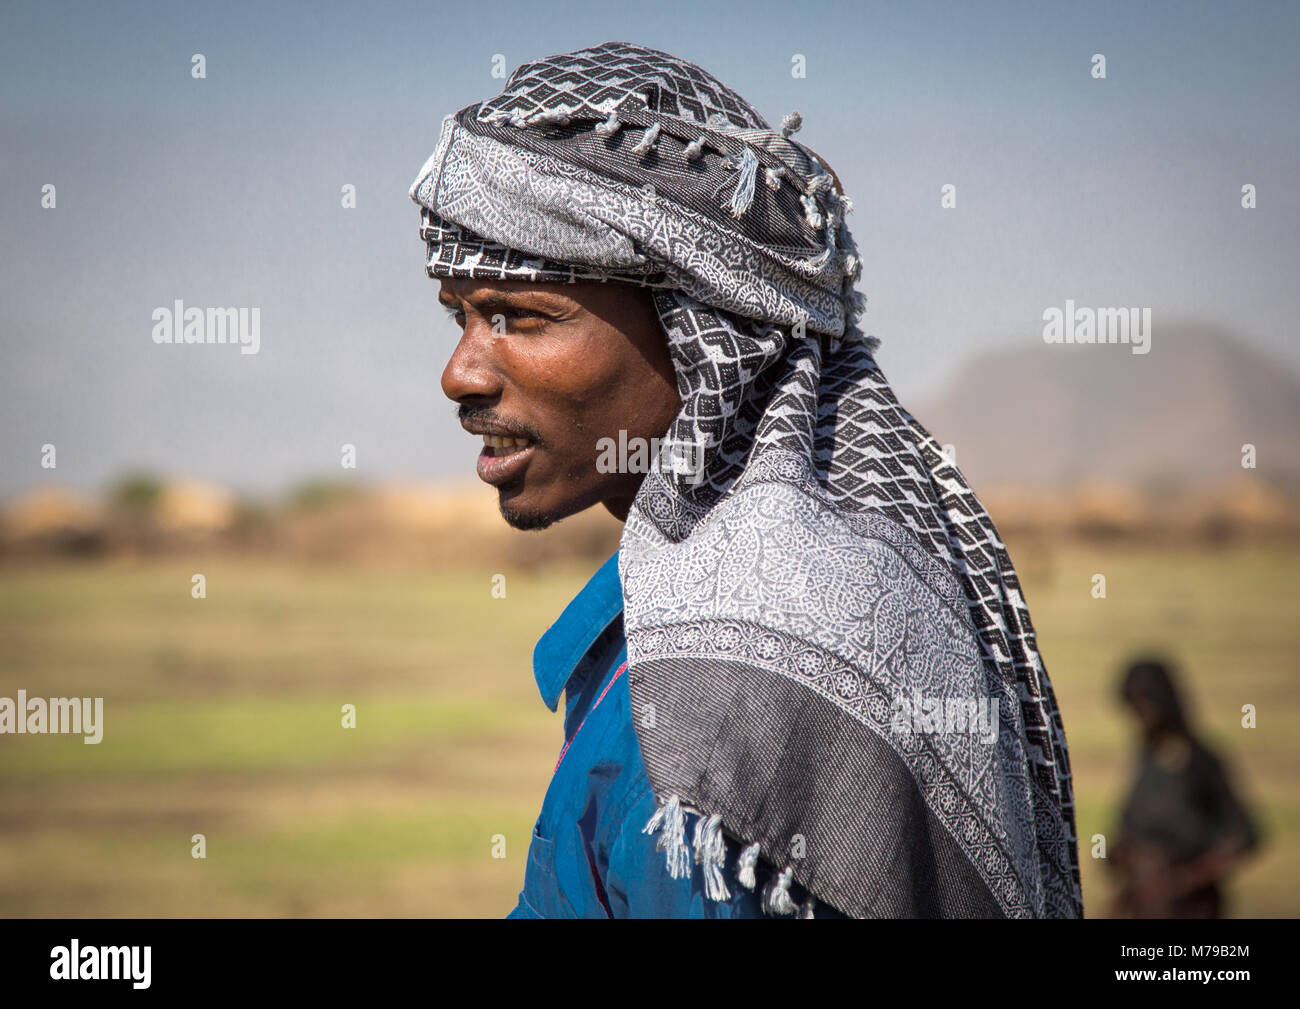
[588, 857]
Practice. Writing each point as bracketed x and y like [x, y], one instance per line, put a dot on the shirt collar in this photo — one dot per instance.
[567, 640]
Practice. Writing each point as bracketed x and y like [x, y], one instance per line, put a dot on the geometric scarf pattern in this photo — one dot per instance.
[806, 613]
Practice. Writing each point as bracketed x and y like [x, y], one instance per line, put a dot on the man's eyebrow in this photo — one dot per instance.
[499, 300]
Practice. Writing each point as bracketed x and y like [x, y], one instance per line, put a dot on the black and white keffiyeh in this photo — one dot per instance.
[829, 655]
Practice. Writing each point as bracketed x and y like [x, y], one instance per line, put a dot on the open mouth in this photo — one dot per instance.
[497, 447]
[504, 459]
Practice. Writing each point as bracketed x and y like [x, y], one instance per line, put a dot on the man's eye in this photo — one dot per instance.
[509, 318]
[501, 318]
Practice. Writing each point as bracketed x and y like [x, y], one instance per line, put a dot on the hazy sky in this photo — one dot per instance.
[226, 192]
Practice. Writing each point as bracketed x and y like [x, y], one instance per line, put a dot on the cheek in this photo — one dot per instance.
[651, 401]
[579, 375]
[623, 395]
[569, 391]
[580, 384]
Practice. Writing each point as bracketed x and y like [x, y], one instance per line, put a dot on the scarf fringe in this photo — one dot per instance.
[824, 207]
[710, 852]
[744, 193]
[811, 212]
[776, 898]
[828, 220]
[646, 144]
[670, 820]
[610, 126]
[748, 862]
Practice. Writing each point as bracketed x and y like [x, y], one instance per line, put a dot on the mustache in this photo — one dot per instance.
[487, 415]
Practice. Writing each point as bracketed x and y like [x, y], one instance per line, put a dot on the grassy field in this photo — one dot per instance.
[222, 717]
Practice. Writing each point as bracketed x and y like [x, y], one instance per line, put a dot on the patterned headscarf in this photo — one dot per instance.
[817, 620]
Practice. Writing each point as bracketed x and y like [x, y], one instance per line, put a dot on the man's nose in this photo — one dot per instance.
[472, 372]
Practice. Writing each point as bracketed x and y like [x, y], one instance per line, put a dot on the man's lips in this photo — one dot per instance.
[505, 452]
[500, 463]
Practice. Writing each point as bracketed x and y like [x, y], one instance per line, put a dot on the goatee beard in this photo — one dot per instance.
[517, 519]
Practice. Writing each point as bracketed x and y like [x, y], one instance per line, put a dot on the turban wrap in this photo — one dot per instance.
[804, 613]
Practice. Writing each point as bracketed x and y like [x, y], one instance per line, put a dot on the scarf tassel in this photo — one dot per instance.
[748, 863]
[711, 852]
[647, 141]
[551, 117]
[776, 898]
[670, 820]
[743, 195]
[610, 126]
[811, 212]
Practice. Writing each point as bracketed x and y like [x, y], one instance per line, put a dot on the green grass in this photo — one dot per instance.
[222, 717]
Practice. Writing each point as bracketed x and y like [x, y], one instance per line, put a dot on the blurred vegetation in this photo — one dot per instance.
[136, 492]
[317, 494]
[222, 717]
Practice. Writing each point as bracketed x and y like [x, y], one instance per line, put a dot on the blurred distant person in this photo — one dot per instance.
[1182, 830]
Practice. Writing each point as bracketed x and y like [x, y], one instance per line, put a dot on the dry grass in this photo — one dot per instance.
[222, 718]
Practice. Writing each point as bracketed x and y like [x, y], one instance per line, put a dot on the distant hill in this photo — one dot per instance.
[1054, 414]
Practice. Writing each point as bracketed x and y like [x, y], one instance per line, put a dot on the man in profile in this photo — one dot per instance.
[632, 252]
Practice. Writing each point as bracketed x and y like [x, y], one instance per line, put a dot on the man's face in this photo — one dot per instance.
[557, 367]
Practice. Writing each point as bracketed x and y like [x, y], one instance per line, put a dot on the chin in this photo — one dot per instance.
[520, 519]
[519, 515]
[523, 514]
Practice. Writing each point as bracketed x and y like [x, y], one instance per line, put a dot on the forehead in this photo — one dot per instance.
[610, 300]
[475, 290]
